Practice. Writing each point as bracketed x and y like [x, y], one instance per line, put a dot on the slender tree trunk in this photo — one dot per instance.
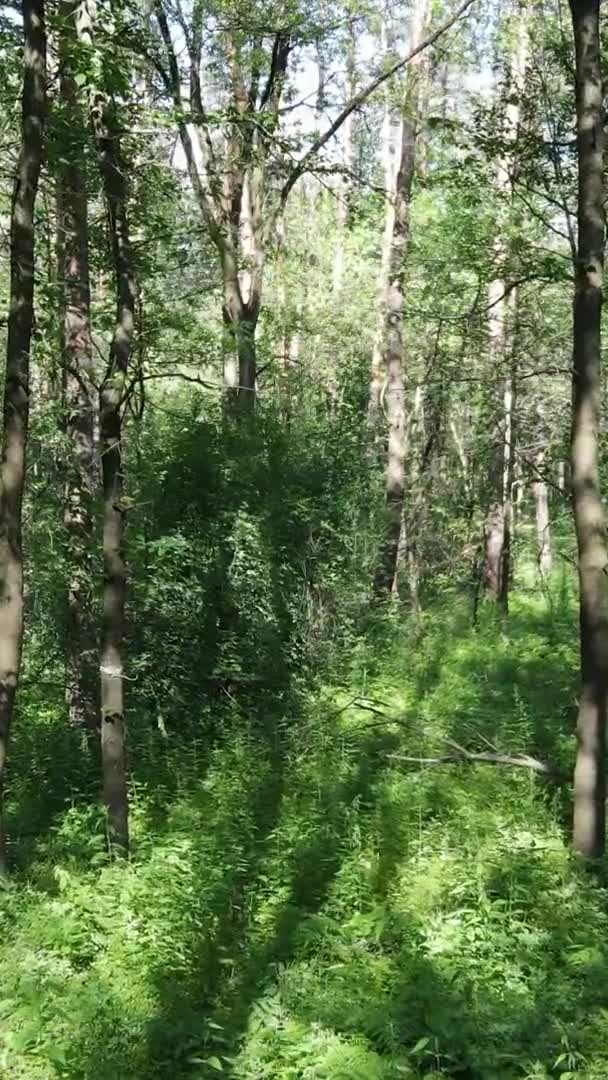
[16, 389]
[508, 460]
[394, 397]
[503, 307]
[494, 532]
[543, 524]
[541, 503]
[283, 343]
[519, 491]
[345, 188]
[590, 771]
[77, 386]
[407, 564]
[458, 426]
[390, 132]
[111, 400]
[561, 477]
[498, 527]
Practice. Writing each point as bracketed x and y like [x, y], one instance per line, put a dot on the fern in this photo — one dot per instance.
[351, 1062]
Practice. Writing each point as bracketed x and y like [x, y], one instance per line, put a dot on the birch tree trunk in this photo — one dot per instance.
[502, 317]
[394, 395]
[541, 503]
[78, 385]
[589, 520]
[407, 562]
[346, 182]
[284, 336]
[391, 133]
[561, 477]
[16, 389]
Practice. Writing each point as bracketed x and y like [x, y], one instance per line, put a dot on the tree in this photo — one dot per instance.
[78, 377]
[112, 398]
[394, 300]
[391, 127]
[503, 301]
[16, 388]
[229, 179]
[239, 195]
[541, 499]
[589, 520]
[111, 403]
[344, 193]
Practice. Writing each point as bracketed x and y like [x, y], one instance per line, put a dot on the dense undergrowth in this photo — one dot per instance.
[303, 903]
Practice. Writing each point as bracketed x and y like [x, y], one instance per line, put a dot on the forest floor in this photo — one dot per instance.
[302, 903]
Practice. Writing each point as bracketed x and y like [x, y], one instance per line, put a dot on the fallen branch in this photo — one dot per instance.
[459, 755]
[486, 757]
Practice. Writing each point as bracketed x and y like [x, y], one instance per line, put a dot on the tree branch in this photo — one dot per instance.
[172, 80]
[460, 756]
[362, 96]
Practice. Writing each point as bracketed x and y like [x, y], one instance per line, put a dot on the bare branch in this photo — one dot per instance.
[362, 96]
[459, 755]
[485, 757]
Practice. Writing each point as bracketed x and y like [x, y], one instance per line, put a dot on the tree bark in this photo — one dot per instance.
[589, 775]
[561, 477]
[240, 360]
[390, 133]
[508, 460]
[78, 388]
[502, 316]
[111, 400]
[543, 524]
[344, 191]
[394, 395]
[16, 390]
[541, 503]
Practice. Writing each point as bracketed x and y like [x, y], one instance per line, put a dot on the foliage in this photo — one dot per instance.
[304, 904]
[308, 897]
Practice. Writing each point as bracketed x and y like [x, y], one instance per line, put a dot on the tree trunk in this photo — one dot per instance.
[543, 525]
[541, 501]
[77, 387]
[498, 527]
[111, 400]
[589, 775]
[389, 135]
[494, 531]
[284, 335]
[345, 187]
[508, 458]
[240, 361]
[412, 520]
[502, 312]
[16, 390]
[561, 477]
[394, 397]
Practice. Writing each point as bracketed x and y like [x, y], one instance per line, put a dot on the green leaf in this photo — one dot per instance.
[56, 1054]
[213, 1061]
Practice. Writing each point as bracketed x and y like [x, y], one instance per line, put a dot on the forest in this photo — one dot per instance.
[303, 548]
